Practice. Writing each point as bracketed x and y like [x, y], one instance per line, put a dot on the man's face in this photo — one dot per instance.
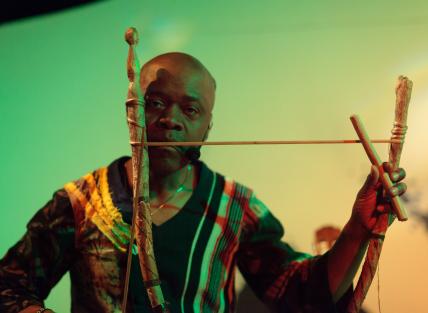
[179, 99]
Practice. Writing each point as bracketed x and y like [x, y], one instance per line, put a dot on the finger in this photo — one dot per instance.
[398, 175]
[372, 181]
[397, 190]
[383, 208]
[395, 175]
[387, 166]
[373, 178]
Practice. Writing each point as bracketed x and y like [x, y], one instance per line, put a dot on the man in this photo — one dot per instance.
[203, 225]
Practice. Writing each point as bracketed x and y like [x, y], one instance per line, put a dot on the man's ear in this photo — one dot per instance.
[207, 131]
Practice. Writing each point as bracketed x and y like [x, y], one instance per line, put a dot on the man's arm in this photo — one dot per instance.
[37, 262]
[345, 258]
[370, 208]
[286, 280]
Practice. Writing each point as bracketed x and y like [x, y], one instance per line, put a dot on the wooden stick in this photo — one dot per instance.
[141, 226]
[397, 205]
[402, 91]
[259, 142]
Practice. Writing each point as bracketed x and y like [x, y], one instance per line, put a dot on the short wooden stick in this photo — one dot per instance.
[397, 205]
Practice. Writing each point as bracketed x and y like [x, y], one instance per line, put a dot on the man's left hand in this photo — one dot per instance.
[372, 210]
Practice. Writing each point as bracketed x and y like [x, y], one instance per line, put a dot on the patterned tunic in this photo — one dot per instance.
[84, 229]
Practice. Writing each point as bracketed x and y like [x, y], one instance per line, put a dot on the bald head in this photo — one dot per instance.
[177, 59]
[179, 69]
[179, 98]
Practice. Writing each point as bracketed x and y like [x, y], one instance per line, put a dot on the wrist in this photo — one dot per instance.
[357, 231]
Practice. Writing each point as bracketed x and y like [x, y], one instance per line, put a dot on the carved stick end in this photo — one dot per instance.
[131, 36]
[133, 66]
[403, 91]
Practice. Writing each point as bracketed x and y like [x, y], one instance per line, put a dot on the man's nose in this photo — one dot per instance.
[170, 118]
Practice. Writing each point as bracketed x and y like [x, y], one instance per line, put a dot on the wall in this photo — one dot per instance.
[285, 70]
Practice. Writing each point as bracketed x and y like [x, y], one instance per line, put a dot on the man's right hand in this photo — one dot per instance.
[34, 309]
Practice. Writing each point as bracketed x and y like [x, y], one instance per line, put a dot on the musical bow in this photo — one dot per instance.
[141, 227]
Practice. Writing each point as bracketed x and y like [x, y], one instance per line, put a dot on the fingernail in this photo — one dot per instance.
[395, 176]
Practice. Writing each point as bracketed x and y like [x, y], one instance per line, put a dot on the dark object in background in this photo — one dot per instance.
[325, 237]
[13, 10]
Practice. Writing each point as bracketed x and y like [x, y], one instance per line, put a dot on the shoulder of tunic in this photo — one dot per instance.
[92, 203]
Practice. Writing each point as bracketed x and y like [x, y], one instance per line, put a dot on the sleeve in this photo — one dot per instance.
[286, 280]
[31, 268]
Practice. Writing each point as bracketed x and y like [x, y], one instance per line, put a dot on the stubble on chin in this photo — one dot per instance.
[165, 161]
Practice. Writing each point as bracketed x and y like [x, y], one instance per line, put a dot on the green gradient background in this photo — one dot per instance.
[285, 70]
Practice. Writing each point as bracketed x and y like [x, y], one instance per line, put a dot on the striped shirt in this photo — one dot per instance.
[84, 229]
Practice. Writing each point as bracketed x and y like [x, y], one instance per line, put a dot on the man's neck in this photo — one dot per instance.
[163, 184]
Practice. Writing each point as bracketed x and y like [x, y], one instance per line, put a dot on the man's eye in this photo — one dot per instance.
[191, 110]
[155, 104]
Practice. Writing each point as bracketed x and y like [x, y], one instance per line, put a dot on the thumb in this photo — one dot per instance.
[372, 181]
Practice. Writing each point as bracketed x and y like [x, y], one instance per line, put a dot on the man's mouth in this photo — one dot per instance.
[163, 138]
[167, 138]
[165, 148]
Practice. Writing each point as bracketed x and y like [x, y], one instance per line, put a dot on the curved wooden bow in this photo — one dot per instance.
[403, 92]
[141, 220]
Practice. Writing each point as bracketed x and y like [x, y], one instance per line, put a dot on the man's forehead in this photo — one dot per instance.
[175, 67]
[174, 73]
[183, 72]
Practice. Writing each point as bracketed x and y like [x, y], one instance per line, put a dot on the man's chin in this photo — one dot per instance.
[165, 159]
[163, 149]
